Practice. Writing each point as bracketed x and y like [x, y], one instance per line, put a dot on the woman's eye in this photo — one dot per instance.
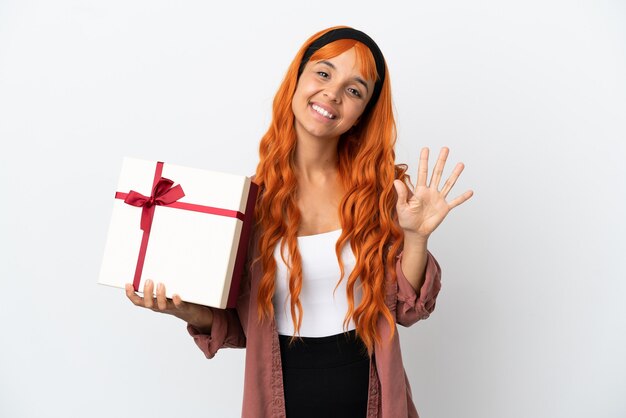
[322, 74]
[354, 92]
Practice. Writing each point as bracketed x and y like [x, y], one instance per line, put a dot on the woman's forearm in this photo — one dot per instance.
[414, 257]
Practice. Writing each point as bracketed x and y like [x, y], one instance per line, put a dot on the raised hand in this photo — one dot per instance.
[422, 210]
[199, 316]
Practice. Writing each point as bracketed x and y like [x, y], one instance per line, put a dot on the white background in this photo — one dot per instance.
[531, 96]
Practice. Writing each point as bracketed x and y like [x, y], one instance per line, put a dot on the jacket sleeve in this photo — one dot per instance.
[411, 306]
[226, 331]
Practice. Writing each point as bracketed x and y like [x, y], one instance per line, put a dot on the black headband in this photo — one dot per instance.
[349, 33]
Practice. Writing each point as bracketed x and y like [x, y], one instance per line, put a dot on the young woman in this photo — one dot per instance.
[339, 255]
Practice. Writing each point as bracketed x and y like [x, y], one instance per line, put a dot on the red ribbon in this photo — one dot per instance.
[163, 194]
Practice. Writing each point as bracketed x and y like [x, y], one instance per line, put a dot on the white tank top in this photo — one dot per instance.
[323, 313]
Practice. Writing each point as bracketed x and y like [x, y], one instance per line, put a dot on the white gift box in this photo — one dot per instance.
[194, 240]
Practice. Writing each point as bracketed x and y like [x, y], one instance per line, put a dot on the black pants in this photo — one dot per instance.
[325, 377]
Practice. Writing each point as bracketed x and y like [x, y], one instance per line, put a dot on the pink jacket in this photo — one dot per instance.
[389, 389]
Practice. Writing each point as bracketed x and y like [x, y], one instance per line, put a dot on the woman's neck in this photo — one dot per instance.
[316, 159]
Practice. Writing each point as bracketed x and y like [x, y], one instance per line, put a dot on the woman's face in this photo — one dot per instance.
[330, 97]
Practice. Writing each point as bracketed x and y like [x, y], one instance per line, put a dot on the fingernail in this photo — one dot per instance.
[159, 286]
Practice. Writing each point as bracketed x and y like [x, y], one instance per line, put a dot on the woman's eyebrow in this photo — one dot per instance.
[328, 63]
[361, 81]
[357, 79]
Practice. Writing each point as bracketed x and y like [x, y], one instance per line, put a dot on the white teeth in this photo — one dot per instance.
[323, 112]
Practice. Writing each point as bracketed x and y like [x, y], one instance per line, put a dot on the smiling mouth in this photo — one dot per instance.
[322, 111]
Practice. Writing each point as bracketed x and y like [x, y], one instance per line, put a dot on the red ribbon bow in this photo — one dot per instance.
[163, 194]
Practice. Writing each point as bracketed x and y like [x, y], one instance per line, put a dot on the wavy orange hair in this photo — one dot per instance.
[367, 211]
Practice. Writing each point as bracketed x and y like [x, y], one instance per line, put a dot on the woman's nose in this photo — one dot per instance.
[333, 93]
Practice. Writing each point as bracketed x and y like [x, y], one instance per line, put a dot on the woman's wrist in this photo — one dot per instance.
[415, 239]
[203, 320]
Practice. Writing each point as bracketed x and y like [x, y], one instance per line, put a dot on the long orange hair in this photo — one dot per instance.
[367, 169]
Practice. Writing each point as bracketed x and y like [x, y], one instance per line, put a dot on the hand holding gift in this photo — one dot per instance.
[200, 317]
